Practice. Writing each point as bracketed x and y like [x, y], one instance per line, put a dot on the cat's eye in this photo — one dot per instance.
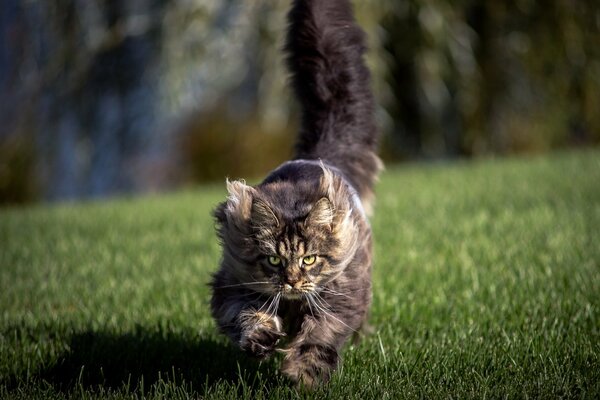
[274, 260]
[309, 260]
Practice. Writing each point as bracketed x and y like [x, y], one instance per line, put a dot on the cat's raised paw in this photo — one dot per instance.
[260, 341]
[260, 333]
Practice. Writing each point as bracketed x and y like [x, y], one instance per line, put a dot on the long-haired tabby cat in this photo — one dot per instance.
[296, 266]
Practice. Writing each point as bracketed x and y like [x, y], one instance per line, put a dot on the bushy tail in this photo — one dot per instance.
[325, 49]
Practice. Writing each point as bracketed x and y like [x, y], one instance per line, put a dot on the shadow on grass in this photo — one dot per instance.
[126, 361]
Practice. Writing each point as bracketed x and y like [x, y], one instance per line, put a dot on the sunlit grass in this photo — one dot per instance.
[486, 283]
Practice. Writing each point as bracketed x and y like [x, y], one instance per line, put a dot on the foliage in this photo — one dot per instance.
[105, 87]
[216, 144]
[486, 284]
[486, 77]
[17, 178]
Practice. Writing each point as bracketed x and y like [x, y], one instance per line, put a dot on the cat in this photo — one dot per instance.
[295, 274]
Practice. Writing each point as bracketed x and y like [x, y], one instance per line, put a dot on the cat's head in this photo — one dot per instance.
[287, 238]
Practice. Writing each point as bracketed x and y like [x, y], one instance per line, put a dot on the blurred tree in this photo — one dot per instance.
[490, 77]
[85, 80]
[404, 39]
[104, 96]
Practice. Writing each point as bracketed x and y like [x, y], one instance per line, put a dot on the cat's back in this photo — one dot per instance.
[296, 172]
[298, 184]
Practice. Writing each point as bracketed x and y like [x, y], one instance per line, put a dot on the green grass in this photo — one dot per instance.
[486, 284]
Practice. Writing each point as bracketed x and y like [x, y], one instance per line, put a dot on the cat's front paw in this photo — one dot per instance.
[260, 335]
[309, 365]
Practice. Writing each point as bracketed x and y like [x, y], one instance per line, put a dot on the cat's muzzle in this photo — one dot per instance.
[290, 292]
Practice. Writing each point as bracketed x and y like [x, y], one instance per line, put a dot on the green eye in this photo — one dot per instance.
[309, 260]
[274, 260]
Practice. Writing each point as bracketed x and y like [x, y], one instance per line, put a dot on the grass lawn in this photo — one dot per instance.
[486, 284]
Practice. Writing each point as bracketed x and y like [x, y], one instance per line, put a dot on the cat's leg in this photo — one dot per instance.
[314, 353]
[251, 324]
[259, 332]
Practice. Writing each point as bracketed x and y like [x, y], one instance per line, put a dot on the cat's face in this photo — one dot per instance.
[287, 239]
[294, 256]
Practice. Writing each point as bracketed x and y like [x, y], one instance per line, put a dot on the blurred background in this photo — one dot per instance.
[104, 97]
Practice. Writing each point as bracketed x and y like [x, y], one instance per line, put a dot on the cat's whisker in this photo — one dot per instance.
[327, 289]
[265, 303]
[273, 305]
[337, 319]
[322, 300]
[309, 287]
[278, 302]
[328, 312]
[274, 300]
[333, 292]
[308, 301]
[242, 284]
[258, 280]
[312, 300]
[246, 297]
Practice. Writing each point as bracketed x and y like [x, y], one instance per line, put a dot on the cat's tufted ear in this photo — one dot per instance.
[262, 216]
[239, 202]
[322, 213]
[335, 190]
[327, 180]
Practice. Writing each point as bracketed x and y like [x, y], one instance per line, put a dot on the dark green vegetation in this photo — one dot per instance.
[487, 283]
[197, 85]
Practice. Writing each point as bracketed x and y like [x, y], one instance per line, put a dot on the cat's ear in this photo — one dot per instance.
[262, 215]
[327, 180]
[239, 202]
[334, 189]
[322, 213]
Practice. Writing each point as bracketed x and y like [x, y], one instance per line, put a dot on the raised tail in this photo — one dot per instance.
[325, 49]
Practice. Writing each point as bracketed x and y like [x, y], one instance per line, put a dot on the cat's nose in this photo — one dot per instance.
[292, 280]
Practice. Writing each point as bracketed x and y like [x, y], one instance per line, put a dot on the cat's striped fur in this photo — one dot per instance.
[315, 205]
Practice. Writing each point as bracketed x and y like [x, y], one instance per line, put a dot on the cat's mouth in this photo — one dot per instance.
[294, 293]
